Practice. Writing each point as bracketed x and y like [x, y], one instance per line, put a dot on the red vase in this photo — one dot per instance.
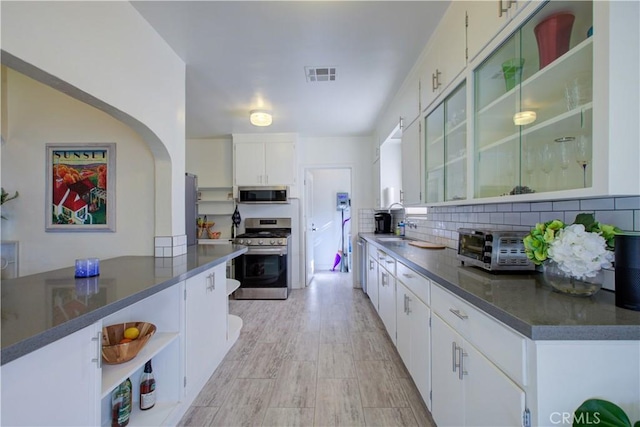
[553, 35]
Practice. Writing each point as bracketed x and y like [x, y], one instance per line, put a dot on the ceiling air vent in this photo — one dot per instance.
[320, 74]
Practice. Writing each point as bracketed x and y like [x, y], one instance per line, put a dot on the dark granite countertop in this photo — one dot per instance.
[521, 301]
[42, 308]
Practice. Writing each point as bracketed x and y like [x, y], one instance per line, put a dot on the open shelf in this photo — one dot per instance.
[232, 285]
[235, 325]
[113, 375]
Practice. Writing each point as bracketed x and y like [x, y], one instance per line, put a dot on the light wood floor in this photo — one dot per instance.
[320, 358]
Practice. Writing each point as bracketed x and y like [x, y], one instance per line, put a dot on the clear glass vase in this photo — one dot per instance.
[567, 284]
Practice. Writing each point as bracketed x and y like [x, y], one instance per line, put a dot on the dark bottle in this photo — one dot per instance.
[147, 388]
[121, 404]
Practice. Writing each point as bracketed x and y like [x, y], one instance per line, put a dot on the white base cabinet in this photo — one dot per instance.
[193, 334]
[387, 293]
[469, 390]
[71, 365]
[206, 306]
[414, 337]
[372, 276]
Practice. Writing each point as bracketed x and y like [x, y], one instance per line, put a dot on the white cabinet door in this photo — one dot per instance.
[372, 278]
[445, 58]
[403, 325]
[249, 163]
[279, 163]
[387, 301]
[420, 338]
[206, 323]
[484, 22]
[485, 386]
[447, 404]
[56, 385]
[414, 338]
[451, 40]
[412, 164]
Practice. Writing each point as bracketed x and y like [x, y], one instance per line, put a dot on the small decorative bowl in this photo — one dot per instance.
[214, 234]
[113, 352]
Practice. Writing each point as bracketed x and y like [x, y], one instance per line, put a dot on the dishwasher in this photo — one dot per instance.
[362, 263]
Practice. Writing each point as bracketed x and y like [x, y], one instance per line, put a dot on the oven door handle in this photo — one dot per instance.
[266, 251]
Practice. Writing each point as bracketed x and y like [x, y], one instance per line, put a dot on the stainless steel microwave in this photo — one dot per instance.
[493, 250]
[265, 195]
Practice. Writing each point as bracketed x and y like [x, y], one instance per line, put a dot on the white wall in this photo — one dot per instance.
[106, 54]
[39, 115]
[349, 152]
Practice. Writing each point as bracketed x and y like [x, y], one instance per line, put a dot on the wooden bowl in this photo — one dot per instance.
[113, 352]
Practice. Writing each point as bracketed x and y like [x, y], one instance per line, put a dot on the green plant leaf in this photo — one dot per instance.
[601, 413]
[585, 219]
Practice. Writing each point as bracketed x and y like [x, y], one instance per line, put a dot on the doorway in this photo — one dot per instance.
[327, 228]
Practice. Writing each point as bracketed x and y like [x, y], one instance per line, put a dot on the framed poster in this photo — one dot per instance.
[80, 192]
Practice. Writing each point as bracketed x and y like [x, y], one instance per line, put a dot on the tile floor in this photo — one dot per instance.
[320, 358]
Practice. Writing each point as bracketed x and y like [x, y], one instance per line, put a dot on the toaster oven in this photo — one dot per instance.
[493, 250]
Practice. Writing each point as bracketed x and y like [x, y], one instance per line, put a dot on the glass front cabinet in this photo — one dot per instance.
[533, 109]
[446, 153]
[519, 121]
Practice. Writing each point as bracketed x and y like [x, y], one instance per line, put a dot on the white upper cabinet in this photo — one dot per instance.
[412, 164]
[445, 58]
[485, 19]
[262, 160]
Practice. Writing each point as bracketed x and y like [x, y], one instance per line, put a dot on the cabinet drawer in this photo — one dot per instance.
[416, 283]
[388, 262]
[496, 341]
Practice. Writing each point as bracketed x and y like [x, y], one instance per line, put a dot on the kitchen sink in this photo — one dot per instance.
[390, 239]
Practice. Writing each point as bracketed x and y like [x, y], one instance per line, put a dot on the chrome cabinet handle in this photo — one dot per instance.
[370, 264]
[454, 353]
[405, 303]
[435, 80]
[461, 372]
[212, 280]
[390, 261]
[501, 9]
[98, 340]
[458, 314]
[408, 304]
[408, 276]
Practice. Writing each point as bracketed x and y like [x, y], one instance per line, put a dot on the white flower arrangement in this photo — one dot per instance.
[580, 253]
[581, 250]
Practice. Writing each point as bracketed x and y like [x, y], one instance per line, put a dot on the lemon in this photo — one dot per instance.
[131, 333]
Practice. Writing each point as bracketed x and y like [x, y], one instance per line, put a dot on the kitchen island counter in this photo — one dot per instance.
[41, 308]
[521, 301]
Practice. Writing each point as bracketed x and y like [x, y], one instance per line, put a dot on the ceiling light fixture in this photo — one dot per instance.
[524, 118]
[260, 117]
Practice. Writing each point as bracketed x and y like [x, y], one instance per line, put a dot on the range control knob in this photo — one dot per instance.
[272, 242]
[241, 241]
[260, 242]
[248, 241]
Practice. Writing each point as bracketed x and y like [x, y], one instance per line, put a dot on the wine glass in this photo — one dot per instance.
[583, 156]
[547, 162]
[530, 162]
[565, 153]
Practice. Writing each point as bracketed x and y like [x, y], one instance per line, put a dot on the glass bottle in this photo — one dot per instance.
[147, 388]
[121, 404]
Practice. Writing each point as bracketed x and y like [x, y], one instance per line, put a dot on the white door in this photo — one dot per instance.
[309, 228]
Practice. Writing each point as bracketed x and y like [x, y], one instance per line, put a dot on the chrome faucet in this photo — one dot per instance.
[411, 224]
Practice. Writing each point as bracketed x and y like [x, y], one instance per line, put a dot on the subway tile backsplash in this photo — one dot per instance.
[441, 223]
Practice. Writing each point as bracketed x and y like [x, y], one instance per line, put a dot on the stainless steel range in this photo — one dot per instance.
[264, 272]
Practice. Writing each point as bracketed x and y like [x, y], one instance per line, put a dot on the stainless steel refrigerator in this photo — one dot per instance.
[191, 208]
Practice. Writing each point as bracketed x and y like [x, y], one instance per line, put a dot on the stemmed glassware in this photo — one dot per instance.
[530, 162]
[547, 162]
[583, 156]
[565, 153]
